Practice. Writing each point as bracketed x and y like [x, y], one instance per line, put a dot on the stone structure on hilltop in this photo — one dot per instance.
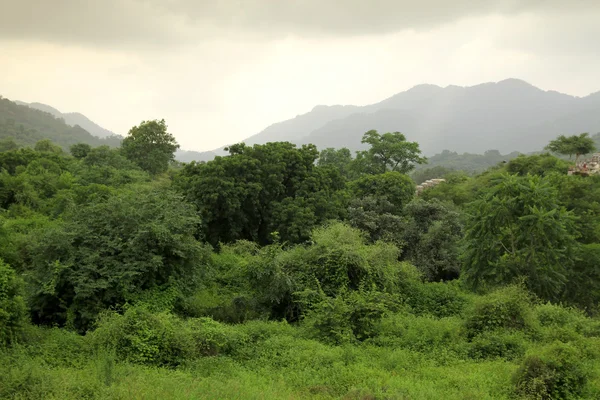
[427, 184]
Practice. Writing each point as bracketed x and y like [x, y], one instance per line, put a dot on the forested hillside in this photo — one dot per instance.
[285, 271]
[23, 126]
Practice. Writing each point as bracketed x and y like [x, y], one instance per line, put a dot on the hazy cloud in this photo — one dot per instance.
[158, 22]
[219, 71]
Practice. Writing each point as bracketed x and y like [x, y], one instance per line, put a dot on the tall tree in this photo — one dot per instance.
[150, 146]
[396, 187]
[430, 234]
[388, 152]
[258, 192]
[576, 144]
[341, 159]
[519, 229]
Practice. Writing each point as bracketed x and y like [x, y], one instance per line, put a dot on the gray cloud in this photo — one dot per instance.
[161, 22]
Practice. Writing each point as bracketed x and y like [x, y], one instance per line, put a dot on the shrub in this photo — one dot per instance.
[437, 298]
[329, 321]
[221, 305]
[142, 337]
[555, 372]
[507, 308]
[212, 338]
[109, 251]
[12, 306]
[338, 260]
[350, 316]
[554, 315]
[419, 333]
[497, 344]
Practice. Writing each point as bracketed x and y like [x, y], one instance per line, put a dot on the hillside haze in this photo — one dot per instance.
[27, 124]
[72, 119]
[508, 115]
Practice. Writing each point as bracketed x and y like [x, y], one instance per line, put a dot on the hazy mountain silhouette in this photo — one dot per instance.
[72, 119]
[26, 124]
[508, 115]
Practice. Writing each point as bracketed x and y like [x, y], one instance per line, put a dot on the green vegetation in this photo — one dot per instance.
[576, 144]
[21, 126]
[281, 272]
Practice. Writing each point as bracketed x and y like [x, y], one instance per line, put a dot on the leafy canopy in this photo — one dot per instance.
[388, 152]
[150, 146]
[576, 144]
[109, 250]
[519, 229]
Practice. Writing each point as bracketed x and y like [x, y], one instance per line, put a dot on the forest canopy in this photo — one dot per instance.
[280, 271]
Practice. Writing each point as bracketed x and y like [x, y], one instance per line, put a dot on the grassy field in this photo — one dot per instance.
[411, 357]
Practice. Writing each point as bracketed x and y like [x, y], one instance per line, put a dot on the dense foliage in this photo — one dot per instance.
[281, 272]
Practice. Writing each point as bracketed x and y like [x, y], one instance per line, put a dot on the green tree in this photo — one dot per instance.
[80, 150]
[517, 229]
[430, 236]
[259, 190]
[341, 159]
[8, 144]
[110, 250]
[12, 305]
[576, 144]
[388, 152]
[378, 217]
[150, 146]
[396, 187]
[46, 146]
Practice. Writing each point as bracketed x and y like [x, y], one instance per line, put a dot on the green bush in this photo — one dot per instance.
[436, 298]
[352, 316]
[498, 344]
[420, 333]
[12, 306]
[221, 305]
[337, 260]
[329, 321]
[141, 337]
[508, 308]
[110, 251]
[557, 316]
[565, 323]
[212, 338]
[163, 339]
[555, 372]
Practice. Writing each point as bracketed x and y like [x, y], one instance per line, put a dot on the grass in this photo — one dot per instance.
[411, 357]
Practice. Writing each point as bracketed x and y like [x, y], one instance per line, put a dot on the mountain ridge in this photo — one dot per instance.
[72, 119]
[507, 115]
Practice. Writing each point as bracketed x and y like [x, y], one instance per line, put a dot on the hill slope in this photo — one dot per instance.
[508, 115]
[26, 125]
[72, 119]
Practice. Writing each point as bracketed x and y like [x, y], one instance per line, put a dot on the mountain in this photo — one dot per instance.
[25, 125]
[189, 156]
[508, 115]
[72, 119]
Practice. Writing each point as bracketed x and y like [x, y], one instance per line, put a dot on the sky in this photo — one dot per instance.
[220, 71]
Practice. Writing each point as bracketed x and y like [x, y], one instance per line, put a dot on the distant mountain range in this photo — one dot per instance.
[72, 119]
[508, 115]
[25, 125]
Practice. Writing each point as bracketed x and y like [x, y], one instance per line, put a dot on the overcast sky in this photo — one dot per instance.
[219, 71]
